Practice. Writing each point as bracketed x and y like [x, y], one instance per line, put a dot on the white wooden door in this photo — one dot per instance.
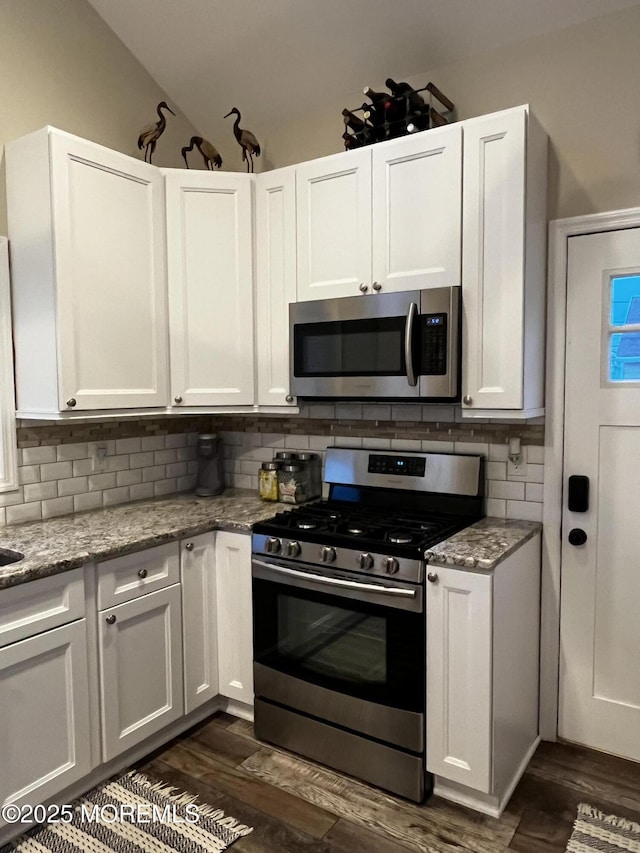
[275, 282]
[200, 637]
[460, 677]
[235, 616]
[334, 225]
[44, 728]
[600, 629]
[141, 686]
[108, 219]
[493, 260]
[417, 203]
[210, 271]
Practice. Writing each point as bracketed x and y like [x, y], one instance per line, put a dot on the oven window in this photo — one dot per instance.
[364, 650]
[373, 347]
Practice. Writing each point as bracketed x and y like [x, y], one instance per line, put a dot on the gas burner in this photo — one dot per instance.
[306, 524]
[400, 537]
[356, 530]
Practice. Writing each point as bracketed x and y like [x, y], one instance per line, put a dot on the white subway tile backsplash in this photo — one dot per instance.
[117, 463]
[296, 442]
[175, 440]
[498, 452]
[434, 413]
[535, 473]
[184, 454]
[242, 481]
[56, 471]
[40, 491]
[472, 447]
[12, 498]
[73, 486]
[526, 510]
[408, 412]
[108, 444]
[496, 507]
[129, 478]
[69, 452]
[319, 443]
[496, 470]
[90, 500]
[141, 492]
[506, 489]
[141, 460]
[165, 457]
[324, 411]
[349, 411]
[57, 506]
[430, 446]
[102, 481]
[186, 484]
[376, 412]
[29, 474]
[377, 443]
[348, 441]
[406, 444]
[128, 445]
[153, 442]
[156, 472]
[82, 467]
[535, 454]
[3, 517]
[23, 512]
[120, 495]
[534, 492]
[272, 439]
[179, 469]
[165, 487]
[38, 455]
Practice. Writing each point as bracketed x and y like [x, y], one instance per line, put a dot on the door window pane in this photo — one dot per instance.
[625, 300]
[624, 357]
[623, 336]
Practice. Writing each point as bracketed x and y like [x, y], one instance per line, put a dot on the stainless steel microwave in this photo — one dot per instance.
[401, 346]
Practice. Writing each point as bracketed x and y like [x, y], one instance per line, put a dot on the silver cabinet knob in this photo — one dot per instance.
[327, 554]
[142, 573]
[365, 561]
[273, 545]
[289, 398]
[432, 577]
[189, 546]
[364, 287]
[177, 399]
[467, 400]
[111, 620]
[71, 402]
[377, 286]
[390, 565]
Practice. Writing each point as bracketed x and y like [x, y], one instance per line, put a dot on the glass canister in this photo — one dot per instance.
[292, 485]
[268, 481]
[285, 456]
[313, 465]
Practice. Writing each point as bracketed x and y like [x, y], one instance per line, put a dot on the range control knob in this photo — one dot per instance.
[327, 554]
[293, 549]
[390, 565]
[273, 545]
[365, 561]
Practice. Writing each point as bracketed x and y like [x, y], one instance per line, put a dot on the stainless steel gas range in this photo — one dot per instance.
[339, 615]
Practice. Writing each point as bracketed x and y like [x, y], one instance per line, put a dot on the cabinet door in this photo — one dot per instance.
[200, 642]
[493, 232]
[459, 677]
[209, 252]
[140, 645]
[334, 225]
[108, 220]
[275, 282]
[417, 201]
[235, 618]
[44, 735]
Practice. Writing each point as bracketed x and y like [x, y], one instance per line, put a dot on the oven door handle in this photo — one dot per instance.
[408, 344]
[344, 584]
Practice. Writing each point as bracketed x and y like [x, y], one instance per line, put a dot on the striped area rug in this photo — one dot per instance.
[131, 814]
[594, 830]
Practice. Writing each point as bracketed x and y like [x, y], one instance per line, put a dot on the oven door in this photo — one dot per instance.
[356, 346]
[341, 650]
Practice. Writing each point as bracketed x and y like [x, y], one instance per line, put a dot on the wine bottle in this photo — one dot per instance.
[416, 110]
[384, 114]
[360, 128]
[351, 141]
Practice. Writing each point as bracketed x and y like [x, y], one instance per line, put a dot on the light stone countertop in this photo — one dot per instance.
[68, 541]
[484, 544]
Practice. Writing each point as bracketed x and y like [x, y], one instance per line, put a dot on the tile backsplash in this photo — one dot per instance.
[60, 472]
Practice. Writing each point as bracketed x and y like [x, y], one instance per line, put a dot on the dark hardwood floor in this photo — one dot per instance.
[296, 806]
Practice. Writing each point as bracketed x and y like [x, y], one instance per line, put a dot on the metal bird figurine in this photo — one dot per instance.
[209, 152]
[246, 140]
[150, 134]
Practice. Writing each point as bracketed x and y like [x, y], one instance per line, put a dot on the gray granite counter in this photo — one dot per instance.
[68, 541]
[484, 544]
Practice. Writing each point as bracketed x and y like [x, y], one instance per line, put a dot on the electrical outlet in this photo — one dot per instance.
[518, 472]
[100, 457]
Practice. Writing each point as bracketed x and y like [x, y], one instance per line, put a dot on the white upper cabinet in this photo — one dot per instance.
[334, 225]
[503, 265]
[86, 226]
[416, 208]
[385, 218]
[275, 205]
[8, 444]
[210, 273]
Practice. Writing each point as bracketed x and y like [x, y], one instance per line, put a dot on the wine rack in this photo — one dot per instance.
[390, 115]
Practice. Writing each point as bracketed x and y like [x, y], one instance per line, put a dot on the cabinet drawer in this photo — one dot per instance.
[133, 575]
[36, 606]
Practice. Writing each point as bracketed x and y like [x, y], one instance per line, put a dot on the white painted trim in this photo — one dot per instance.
[8, 442]
[498, 414]
[559, 232]
[238, 709]
[120, 414]
[485, 803]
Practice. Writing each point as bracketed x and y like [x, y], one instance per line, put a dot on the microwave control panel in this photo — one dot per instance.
[433, 360]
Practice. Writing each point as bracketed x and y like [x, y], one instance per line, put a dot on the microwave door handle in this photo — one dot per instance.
[344, 584]
[408, 341]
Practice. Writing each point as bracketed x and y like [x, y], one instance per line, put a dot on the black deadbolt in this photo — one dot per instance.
[578, 493]
[577, 536]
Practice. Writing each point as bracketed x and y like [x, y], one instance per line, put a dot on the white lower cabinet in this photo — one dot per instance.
[44, 718]
[141, 684]
[482, 677]
[235, 617]
[200, 631]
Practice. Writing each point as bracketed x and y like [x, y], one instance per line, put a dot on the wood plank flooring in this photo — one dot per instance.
[297, 806]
